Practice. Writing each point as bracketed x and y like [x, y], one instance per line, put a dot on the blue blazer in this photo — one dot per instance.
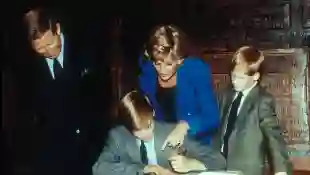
[195, 99]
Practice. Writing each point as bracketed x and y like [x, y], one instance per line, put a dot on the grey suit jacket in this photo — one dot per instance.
[257, 134]
[121, 155]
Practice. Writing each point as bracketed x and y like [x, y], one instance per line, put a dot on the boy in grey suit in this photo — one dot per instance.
[135, 146]
[249, 130]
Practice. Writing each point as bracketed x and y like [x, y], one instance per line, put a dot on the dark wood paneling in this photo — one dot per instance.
[306, 14]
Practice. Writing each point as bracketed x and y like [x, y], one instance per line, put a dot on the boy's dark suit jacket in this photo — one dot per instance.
[256, 135]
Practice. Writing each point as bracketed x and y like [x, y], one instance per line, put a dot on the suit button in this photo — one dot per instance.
[189, 113]
[77, 131]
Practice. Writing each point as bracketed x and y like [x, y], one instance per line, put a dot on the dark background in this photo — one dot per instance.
[210, 23]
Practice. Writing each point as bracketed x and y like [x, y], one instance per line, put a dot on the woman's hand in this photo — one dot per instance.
[176, 137]
[182, 164]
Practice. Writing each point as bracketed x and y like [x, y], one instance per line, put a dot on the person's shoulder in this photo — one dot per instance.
[264, 94]
[227, 89]
[117, 131]
[195, 67]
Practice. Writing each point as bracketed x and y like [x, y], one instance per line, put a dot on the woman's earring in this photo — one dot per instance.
[180, 61]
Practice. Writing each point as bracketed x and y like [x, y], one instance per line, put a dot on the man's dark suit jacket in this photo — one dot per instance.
[121, 155]
[64, 110]
[256, 135]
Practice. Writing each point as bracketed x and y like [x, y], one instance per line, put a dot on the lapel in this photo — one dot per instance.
[159, 136]
[247, 106]
[226, 103]
[68, 65]
[71, 62]
[182, 89]
[132, 147]
[66, 53]
[43, 70]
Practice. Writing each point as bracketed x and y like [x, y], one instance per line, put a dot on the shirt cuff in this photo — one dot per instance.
[280, 173]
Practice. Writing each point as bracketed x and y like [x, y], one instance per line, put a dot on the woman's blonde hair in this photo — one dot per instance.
[173, 37]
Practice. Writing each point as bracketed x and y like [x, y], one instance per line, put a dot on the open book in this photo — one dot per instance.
[221, 173]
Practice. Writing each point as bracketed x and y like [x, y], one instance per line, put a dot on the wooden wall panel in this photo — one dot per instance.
[278, 84]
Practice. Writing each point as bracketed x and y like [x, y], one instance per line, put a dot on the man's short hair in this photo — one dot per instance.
[39, 20]
[135, 111]
[251, 55]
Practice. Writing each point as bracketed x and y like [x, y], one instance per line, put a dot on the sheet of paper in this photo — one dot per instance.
[221, 173]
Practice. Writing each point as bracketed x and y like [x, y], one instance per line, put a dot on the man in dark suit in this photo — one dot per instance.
[61, 86]
[135, 146]
[249, 130]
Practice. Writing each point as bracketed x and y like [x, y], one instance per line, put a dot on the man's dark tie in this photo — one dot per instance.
[56, 68]
[231, 122]
[143, 153]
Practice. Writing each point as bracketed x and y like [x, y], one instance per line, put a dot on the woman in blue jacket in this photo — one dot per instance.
[179, 87]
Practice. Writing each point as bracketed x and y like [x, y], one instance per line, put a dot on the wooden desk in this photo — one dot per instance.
[301, 164]
[301, 173]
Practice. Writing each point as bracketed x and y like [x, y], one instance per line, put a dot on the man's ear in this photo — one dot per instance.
[58, 29]
[256, 76]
